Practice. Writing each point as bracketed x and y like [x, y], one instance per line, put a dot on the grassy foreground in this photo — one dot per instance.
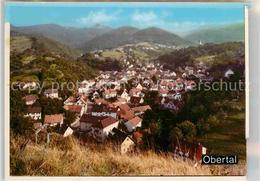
[69, 158]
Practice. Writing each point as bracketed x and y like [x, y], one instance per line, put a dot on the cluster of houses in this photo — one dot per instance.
[112, 105]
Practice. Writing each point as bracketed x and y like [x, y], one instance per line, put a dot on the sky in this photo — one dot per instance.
[174, 17]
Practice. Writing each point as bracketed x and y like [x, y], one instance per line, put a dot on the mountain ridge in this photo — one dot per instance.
[129, 35]
[218, 34]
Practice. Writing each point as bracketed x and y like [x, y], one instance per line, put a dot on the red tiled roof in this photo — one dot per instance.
[37, 125]
[73, 108]
[100, 101]
[137, 136]
[134, 121]
[34, 109]
[106, 122]
[127, 115]
[101, 108]
[97, 121]
[124, 107]
[141, 108]
[71, 99]
[55, 118]
[88, 118]
[30, 98]
[134, 91]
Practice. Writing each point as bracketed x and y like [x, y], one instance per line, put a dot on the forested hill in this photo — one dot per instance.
[36, 58]
[218, 57]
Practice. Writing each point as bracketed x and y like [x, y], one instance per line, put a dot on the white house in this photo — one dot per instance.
[101, 111]
[127, 145]
[139, 86]
[30, 99]
[34, 113]
[228, 73]
[109, 93]
[125, 96]
[177, 96]
[51, 93]
[133, 123]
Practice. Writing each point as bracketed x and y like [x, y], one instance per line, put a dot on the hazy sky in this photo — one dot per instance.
[175, 17]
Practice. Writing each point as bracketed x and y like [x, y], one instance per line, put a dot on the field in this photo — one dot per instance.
[229, 136]
[68, 158]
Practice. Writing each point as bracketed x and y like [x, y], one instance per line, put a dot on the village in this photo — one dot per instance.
[112, 106]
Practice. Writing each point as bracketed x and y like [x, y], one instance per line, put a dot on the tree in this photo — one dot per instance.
[188, 130]
[150, 98]
[70, 117]
[18, 123]
[175, 136]
[51, 106]
[154, 79]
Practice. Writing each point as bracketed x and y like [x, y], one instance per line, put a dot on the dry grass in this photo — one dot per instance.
[96, 160]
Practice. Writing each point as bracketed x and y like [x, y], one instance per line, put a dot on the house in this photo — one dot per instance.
[82, 100]
[141, 109]
[125, 112]
[98, 127]
[189, 85]
[109, 93]
[87, 120]
[229, 73]
[124, 108]
[53, 120]
[101, 111]
[68, 132]
[127, 145]
[137, 137]
[79, 110]
[163, 92]
[127, 115]
[37, 125]
[139, 86]
[133, 123]
[95, 95]
[177, 96]
[125, 95]
[100, 101]
[30, 99]
[172, 104]
[70, 101]
[34, 112]
[189, 70]
[135, 92]
[51, 93]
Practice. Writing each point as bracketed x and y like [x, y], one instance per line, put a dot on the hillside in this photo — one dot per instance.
[234, 32]
[47, 44]
[41, 59]
[216, 56]
[131, 35]
[111, 39]
[157, 35]
[70, 36]
[67, 158]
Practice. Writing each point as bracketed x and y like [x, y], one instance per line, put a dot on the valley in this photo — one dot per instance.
[137, 89]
